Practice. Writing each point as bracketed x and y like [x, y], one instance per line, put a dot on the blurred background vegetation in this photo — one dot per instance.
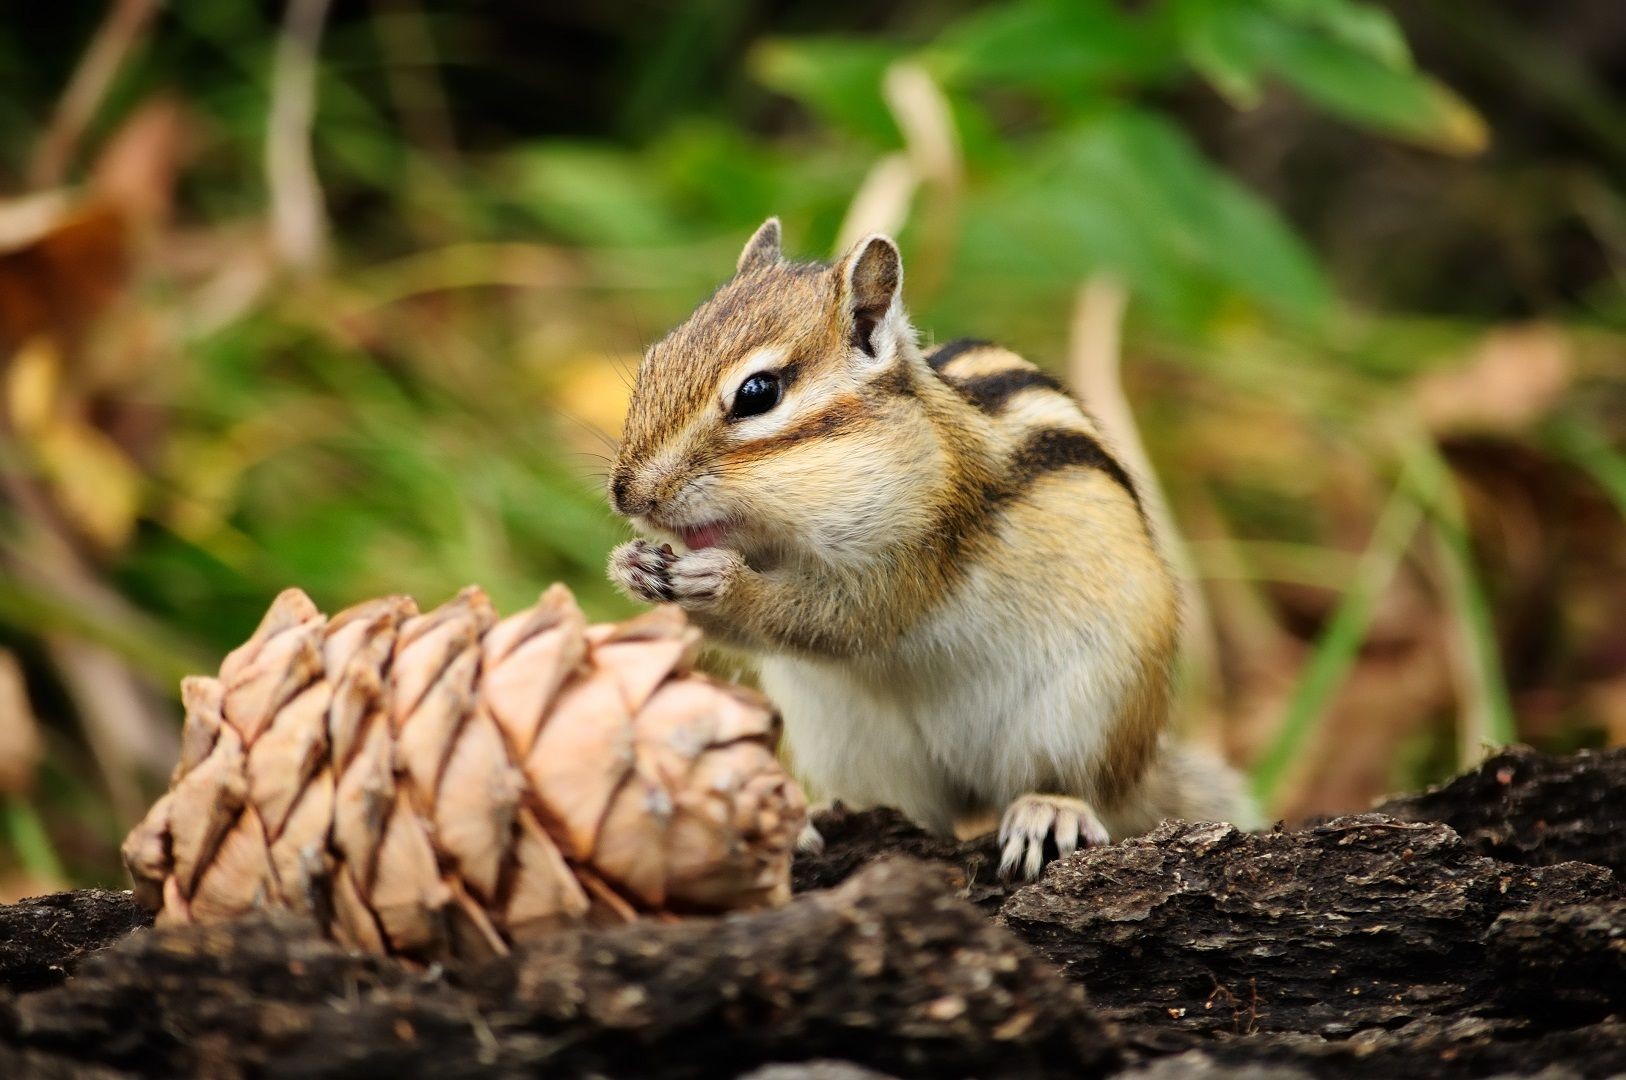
[347, 296]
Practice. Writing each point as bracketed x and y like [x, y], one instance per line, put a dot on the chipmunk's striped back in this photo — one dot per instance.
[1043, 426]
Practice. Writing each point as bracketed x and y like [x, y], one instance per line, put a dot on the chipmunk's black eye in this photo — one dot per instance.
[756, 395]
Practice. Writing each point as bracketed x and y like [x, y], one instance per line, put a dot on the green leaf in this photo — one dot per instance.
[1063, 48]
[30, 842]
[1222, 51]
[1485, 709]
[712, 171]
[1581, 440]
[1128, 194]
[593, 195]
[1347, 58]
[1364, 27]
[1359, 87]
[1340, 643]
[837, 78]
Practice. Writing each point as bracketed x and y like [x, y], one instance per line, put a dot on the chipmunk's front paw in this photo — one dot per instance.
[1039, 828]
[702, 577]
[642, 570]
[656, 573]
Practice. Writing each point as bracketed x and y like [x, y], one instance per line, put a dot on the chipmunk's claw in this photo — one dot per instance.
[810, 841]
[1039, 828]
[643, 571]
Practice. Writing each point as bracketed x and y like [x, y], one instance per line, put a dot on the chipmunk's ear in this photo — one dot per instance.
[762, 249]
[871, 280]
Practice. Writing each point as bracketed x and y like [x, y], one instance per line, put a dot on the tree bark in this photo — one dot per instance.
[1377, 945]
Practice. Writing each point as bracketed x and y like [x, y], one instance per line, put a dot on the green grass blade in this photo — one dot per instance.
[1486, 717]
[1587, 447]
[30, 841]
[1340, 642]
[143, 642]
[1487, 712]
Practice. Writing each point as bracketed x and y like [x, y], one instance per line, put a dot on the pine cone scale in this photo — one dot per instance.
[475, 807]
[544, 894]
[297, 854]
[366, 792]
[284, 665]
[204, 807]
[288, 753]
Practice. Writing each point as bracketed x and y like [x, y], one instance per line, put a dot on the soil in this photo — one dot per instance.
[1478, 929]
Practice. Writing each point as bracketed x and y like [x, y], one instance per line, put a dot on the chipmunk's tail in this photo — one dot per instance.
[1188, 784]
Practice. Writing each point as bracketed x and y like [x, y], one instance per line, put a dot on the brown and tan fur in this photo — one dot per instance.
[947, 578]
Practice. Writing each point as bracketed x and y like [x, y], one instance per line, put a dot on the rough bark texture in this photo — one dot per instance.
[42, 939]
[1525, 807]
[1361, 922]
[854, 838]
[1363, 946]
[889, 971]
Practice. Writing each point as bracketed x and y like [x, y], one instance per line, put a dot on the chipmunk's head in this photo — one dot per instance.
[782, 417]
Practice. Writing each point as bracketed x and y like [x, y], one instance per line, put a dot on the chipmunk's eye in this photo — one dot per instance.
[756, 395]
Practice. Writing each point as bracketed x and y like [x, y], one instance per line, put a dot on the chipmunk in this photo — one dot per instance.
[948, 580]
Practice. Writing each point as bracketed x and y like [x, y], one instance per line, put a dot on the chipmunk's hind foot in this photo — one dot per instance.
[1039, 828]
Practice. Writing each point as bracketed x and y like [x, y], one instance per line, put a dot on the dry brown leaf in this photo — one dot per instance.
[136, 169]
[1608, 700]
[1513, 377]
[62, 263]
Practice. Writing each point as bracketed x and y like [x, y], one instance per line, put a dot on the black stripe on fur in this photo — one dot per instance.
[948, 351]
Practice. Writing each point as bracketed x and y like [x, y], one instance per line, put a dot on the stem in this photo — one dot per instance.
[1095, 370]
[118, 34]
[298, 224]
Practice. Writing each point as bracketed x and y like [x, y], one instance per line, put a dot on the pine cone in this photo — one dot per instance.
[446, 784]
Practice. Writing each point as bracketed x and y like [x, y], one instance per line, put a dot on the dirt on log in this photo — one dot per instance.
[1478, 929]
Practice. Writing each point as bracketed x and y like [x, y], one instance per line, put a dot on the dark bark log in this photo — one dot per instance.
[852, 839]
[1435, 1049]
[1524, 807]
[886, 972]
[42, 939]
[1560, 965]
[1366, 946]
[1356, 923]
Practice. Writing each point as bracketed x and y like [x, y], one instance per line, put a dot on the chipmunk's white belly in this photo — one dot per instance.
[968, 711]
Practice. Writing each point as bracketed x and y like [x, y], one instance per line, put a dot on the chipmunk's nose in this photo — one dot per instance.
[626, 502]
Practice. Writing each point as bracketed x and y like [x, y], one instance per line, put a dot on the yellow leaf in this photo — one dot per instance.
[1458, 128]
[32, 386]
[94, 483]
